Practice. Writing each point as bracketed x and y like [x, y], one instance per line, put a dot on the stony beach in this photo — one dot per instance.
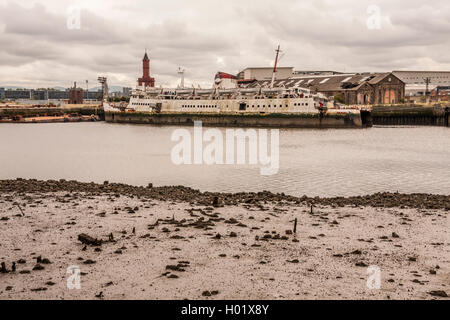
[178, 243]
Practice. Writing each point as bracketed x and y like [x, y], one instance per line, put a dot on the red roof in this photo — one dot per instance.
[224, 75]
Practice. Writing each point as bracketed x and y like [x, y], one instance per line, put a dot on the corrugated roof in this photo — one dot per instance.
[326, 83]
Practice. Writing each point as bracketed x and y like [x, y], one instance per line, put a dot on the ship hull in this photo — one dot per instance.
[304, 120]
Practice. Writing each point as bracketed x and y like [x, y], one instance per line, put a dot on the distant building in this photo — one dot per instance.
[126, 92]
[58, 94]
[92, 95]
[440, 93]
[47, 94]
[11, 94]
[315, 73]
[417, 90]
[39, 94]
[416, 82]
[437, 78]
[265, 73]
[75, 95]
[146, 80]
[375, 88]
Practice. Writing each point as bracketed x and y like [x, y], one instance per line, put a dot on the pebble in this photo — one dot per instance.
[38, 267]
[439, 293]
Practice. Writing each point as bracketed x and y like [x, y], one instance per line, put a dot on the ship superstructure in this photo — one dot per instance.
[256, 100]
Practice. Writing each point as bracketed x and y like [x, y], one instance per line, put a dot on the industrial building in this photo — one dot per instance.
[125, 93]
[354, 88]
[436, 78]
[421, 83]
[298, 73]
[11, 94]
[265, 73]
[45, 94]
[75, 95]
[372, 88]
[440, 93]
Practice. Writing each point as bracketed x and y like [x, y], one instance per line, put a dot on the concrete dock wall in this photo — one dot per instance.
[36, 112]
[240, 120]
[410, 115]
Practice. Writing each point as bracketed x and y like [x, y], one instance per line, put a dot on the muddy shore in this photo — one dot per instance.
[178, 243]
[193, 196]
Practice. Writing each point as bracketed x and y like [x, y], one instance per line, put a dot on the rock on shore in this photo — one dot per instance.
[186, 194]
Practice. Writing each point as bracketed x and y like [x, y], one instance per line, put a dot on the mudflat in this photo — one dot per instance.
[177, 243]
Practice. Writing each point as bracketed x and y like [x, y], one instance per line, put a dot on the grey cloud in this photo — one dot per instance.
[36, 46]
[37, 22]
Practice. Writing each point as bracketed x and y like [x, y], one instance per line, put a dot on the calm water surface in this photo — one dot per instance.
[312, 162]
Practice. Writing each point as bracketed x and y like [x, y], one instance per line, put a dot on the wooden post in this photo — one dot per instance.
[295, 225]
[446, 117]
[23, 214]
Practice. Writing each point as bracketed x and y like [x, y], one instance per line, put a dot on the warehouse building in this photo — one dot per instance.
[416, 82]
[437, 78]
[265, 73]
[18, 94]
[370, 88]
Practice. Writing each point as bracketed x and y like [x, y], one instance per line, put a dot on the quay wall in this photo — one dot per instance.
[410, 115]
[240, 120]
[6, 113]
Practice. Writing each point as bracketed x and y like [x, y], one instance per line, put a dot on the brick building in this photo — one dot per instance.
[146, 80]
[440, 93]
[370, 88]
[75, 95]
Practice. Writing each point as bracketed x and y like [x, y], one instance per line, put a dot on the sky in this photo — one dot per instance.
[56, 42]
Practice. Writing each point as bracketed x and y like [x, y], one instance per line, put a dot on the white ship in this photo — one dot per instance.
[262, 101]
[225, 97]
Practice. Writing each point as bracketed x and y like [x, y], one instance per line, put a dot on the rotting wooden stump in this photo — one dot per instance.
[3, 268]
[88, 240]
[217, 202]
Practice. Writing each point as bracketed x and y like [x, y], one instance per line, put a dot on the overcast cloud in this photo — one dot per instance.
[37, 49]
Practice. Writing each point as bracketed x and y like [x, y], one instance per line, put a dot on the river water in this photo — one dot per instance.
[312, 162]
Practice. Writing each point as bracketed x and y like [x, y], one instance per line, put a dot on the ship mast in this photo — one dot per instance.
[181, 72]
[275, 66]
